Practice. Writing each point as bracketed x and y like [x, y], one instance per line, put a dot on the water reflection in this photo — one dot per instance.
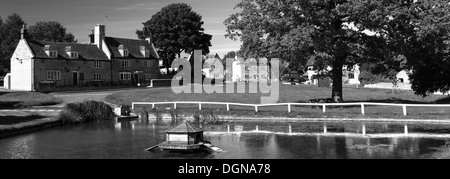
[309, 140]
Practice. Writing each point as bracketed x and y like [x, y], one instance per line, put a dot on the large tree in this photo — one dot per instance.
[174, 29]
[9, 38]
[334, 32]
[50, 31]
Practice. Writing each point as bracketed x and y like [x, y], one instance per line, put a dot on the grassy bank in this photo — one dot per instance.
[28, 126]
[11, 100]
[212, 115]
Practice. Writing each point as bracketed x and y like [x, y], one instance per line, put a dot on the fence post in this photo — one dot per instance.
[289, 108]
[364, 129]
[228, 107]
[406, 130]
[404, 110]
[256, 108]
[362, 110]
[325, 130]
[132, 106]
[174, 105]
[200, 106]
[153, 105]
[324, 108]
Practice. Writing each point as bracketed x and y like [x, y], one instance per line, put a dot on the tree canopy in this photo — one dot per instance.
[174, 29]
[340, 32]
[50, 31]
[9, 38]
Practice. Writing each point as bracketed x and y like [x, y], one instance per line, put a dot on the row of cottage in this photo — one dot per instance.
[103, 61]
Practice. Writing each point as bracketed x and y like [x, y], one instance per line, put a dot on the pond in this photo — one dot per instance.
[239, 140]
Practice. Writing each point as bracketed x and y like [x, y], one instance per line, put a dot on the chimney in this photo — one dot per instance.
[23, 32]
[92, 37]
[99, 35]
[149, 40]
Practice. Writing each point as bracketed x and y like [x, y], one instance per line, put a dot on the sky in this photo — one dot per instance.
[124, 17]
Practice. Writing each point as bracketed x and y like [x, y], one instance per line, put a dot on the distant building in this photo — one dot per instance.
[213, 67]
[403, 77]
[251, 70]
[104, 61]
[350, 75]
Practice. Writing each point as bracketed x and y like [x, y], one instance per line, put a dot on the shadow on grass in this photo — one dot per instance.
[10, 104]
[443, 100]
[10, 120]
[389, 100]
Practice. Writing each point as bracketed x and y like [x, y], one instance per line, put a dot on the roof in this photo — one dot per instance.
[184, 128]
[85, 51]
[133, 46]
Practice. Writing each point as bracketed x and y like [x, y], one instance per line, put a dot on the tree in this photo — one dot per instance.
[232, 54]
[428, 54]
[9, 38]
[334, 32]
[50, 31]
[174, 29]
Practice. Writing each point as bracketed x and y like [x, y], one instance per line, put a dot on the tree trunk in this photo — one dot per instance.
[336, 93]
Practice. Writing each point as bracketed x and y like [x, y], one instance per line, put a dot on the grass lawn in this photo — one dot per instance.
[11, 100]
[288, 94]
[295, 94]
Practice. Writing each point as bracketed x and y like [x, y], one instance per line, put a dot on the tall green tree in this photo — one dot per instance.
[174, 29]
[334, 32]
[9, 38]
[50, 31]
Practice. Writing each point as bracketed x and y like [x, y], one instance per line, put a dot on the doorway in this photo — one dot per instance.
[136, 79]
[75, 78]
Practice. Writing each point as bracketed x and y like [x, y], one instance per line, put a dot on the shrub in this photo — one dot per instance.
[87, 111]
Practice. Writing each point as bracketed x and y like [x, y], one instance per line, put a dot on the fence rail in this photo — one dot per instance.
[290, 105]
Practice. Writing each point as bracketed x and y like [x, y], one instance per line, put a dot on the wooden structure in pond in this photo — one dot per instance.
[185, 137]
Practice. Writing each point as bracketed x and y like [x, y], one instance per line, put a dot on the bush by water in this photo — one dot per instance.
[87, 111]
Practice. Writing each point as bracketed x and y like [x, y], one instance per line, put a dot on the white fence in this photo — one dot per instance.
[290, 105]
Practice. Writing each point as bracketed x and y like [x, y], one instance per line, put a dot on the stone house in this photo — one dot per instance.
[104, 61]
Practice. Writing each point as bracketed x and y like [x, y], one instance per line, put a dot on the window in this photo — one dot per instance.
[126, 52]
[125, 63]
[53, 54]
[97, 64]
[97, 77]
[147, 63]
[73, 54]
[351, 76]
[53, 75]
[125, 76]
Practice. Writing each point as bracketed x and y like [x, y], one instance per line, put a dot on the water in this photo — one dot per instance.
[243, 140]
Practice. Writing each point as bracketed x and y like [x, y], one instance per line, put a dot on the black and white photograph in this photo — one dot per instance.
[238, 82]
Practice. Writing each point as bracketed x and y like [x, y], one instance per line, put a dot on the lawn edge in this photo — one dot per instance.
[27, 127]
